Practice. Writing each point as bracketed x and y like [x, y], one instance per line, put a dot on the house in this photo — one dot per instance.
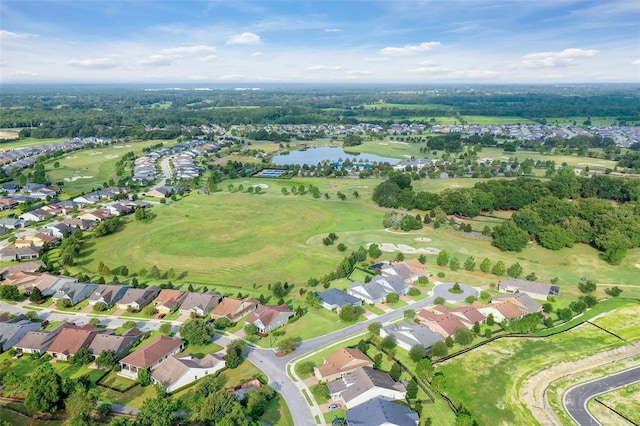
[363, 384]
[70, 340]
[444, 324]
[11, 223]
[36, 240]
[8, 271]
[95, 215]
[160, 192]
[408, 335]
[108, 294]
[341, 362]
[118, 344]
[467, 314]
[234, 309]
[76, 223]
[137, 298]
[179, 371]
[8, 203]
[9, 254]
[376, 290]
[334, 299]
[168, 300]
[379, 411]
[504, 310]
[532, 288]
[522, 300]
[148, 356]
[74, 292]
[199, 304]
[37, 215]
[48, 284]
[400, 269]
[269, 317]
[36, 341]
[240, 391]
[58, 230]
[13, 330]
[10, 188]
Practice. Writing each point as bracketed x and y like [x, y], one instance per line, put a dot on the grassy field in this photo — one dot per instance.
[571, 160]
[625, 400]
[84, 170]
[493, 373]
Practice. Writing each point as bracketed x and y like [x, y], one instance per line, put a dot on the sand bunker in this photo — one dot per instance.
[638, 265]
[111, 157]
[382, 143]
[423, 239]
[122, 146]
[390, 248]
[406, 155]
[75, 178]
[400, 143]
[261, 185]
[95, 153]
[70, 158]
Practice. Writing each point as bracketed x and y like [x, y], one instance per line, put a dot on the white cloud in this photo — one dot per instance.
[94, 64]
[244, 38]
[189, 50]
[24, 74]
[409, 49]
[208, 58]
[332, 30]
[358, 72]
[231, 77]
[563, 58]
[256, 54]
[159, 60]
[636, 62]
[11, 35]
[322, 68]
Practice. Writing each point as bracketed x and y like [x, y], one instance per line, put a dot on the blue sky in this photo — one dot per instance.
[360, 41]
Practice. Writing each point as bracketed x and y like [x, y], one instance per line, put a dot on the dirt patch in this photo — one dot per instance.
[95, 153]
[391, 248]
[8, 134]
[111, 156]
[423, 239]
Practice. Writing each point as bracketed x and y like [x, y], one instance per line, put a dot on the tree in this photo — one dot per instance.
[578, 306]
[613, 291]
[305, 368]
[80, 406]
[422, 259]
[509, 237]
[547, 308]
[439, 349]
[388, 342]
[165, 328]
[515, 270]
[374, 328]
[439, 300]
[449, 342]
[149, 310]
[196, 331]
[392, 298]
[454, 264]
[235, 353]
[499, 268]
[412, 389]
[587, 286]
[107, 359]
[464, 336]
[424, 369]
[251, 329]
[490, 320]
[158, 411]
[564, 314]
[417, 352]
[288, 344]
[443, 258]
[224, 322]
[44, 390]
[374, 251]
[256, 400]
[470, 263]
[82, 357]
[485, 265]
[476, 327]
[395, 371]
[219, 408]
[350, 313]
[36, 295]
[144, 377]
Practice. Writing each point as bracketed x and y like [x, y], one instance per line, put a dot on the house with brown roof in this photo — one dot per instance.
[118, 344]
[149, 355]
[9, 254]
[234, 309]
[7, 203]
[341, 362]
[95, 215]
[445, 324]
[8, 271]
[363, 384]
[77, 223]
[36, 240]
[48, 284]
[70, 340]
[503, 310]
[168, 300]
[179, 371]
[522, 300]
[200, 304]
[268, 317]
[135, 299]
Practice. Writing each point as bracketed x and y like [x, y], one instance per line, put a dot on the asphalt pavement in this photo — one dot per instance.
[575, 400]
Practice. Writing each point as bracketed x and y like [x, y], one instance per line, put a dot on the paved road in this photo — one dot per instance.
[575, 400]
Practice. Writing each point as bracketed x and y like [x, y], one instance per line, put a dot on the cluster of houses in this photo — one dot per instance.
[368, 394]
[78, 213]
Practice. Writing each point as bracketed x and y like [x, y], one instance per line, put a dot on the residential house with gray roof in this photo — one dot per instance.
[376, 290]
[334, 299]
[363, 384]
[74, 292]
[199, 304]
[408, 335]
[380, 411]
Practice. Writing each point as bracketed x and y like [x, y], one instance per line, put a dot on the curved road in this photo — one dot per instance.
[575, 400]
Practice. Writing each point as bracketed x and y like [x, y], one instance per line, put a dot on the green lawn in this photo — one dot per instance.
[571, 160]
[199, 351]
[624, 400]
[494, 373]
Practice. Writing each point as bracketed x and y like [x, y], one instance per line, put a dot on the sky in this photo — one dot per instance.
[320, 41]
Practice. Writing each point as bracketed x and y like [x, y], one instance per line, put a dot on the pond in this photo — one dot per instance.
[313, 156]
